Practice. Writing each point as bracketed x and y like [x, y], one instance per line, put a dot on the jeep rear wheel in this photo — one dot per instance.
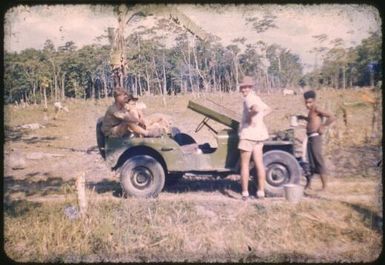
[281, 168]
[142, 176]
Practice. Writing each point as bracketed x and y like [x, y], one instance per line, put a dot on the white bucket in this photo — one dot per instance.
[293, 121]
[293, 192]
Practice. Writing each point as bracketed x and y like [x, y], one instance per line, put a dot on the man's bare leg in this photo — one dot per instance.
[245, 171]
[308, 183]
[154, 132]
[260, 168]
[324, 180]
[137, 129]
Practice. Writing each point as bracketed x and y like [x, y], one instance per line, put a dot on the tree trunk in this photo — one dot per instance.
[104, 86]
[214, 79]
[267, 82]
[351, 79]
[148, 80]
[197, 67]
[26, 98]
[236, 71]
[157, 76]
[371, 78]
[140, 85]
[272, 82]
[189, 66]
[134, 86]
[63, 86]
[45, 98]
[54, 74]
[34, 92]
[164, 75]
[343, 77]
[56, 86]
[93, 94]
[164, 80]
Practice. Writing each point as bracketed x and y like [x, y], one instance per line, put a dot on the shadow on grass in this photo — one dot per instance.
[181, 186]
[36, 139]
[209, 184]
[106, 186]
[17, 208]
[15, 134]
[28, 187]
[371, 219]
[11, 134]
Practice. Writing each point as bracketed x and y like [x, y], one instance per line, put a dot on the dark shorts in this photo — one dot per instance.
[314, 154]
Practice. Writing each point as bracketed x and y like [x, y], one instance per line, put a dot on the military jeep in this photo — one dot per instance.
[146, 164]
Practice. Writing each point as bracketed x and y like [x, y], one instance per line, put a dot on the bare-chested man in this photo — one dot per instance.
[314, 129]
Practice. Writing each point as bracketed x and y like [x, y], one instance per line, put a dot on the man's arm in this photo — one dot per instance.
[255, 109]
[256, 105]
[129, 116]
[137, 129]
[302, 117]
[330, 118]
[142, 121]
[267, 111]
[252, 112]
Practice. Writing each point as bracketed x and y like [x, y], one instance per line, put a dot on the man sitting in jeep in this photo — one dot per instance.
[120, 121]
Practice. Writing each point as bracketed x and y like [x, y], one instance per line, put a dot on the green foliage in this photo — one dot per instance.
[347, 67]
[285, 68]
[190, 65]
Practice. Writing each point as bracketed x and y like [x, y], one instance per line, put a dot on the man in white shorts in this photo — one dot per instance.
[252, 134]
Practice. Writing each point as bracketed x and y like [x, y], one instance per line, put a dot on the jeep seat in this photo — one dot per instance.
[100, 137]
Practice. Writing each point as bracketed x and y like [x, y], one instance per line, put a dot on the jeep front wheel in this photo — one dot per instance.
[142, 176]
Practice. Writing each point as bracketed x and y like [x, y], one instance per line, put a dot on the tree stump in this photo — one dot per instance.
[81, 191]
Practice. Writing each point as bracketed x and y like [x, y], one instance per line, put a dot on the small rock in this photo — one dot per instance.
[17, 161]
[71, 212]
[32, 126]
[35, 156]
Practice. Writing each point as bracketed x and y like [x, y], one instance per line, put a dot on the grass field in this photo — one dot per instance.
[200, 218]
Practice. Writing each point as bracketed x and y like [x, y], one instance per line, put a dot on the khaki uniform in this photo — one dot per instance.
[255, 130]
[113, 120]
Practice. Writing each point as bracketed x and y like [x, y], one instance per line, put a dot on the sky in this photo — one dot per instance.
[30, 27]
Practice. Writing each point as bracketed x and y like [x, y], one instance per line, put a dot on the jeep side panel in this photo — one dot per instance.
[167, 148]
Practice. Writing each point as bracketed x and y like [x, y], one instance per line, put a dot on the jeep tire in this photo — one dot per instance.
[281, 168]
[142, 176]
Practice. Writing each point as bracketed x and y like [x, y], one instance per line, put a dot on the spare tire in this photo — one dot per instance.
[281, 168]
[100, 138]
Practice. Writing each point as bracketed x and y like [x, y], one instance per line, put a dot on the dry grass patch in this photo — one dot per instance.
[133, 230]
